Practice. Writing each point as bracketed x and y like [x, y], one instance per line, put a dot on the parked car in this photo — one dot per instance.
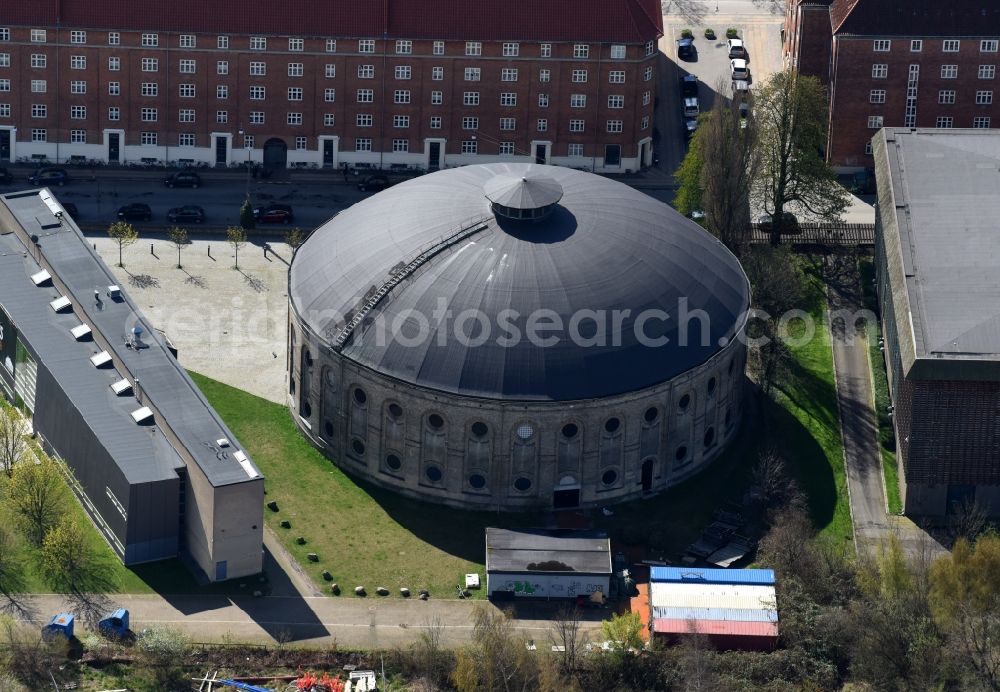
[136, 211]
[5, 177]
[274, 213]
[736, 48]
[739, 69]
[690, 125]
[741, 88]
[744, 113]
[71, 210]
[685, 49]
[188, 214]
[49, 176]
[789, 223]
[689, 85]
[183, 179]
[375, 182]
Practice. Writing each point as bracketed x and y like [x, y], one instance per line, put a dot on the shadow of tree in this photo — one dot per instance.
[692, 11]
[143, 281]
[196, 281]
[255, 283]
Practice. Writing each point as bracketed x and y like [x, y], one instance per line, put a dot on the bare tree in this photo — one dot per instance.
[968, 519]
[179, 238]
[498, 659]
[727, 142]
[566, 634]
[29, 656]
[791, 113]
[11, 439]
[696, 664]
[236, 236]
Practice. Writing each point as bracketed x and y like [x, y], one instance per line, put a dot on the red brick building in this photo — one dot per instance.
[922, 63]
[430, 84]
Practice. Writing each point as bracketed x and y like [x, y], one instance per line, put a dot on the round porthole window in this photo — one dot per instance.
[435, 421]
[393, 462]
[609, 477]
[360, 396]
[359, 447]
[612, 424]
[711, 385]
[525, 431]
[684, 402]
[395, 411]
[682, 452]
[570, 430]
[480, 429]
[433, 474]
[477, 481]
[709, 437]
[651, 414]
[522, 484]
[307, 409]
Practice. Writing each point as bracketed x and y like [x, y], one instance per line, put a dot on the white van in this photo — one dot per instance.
[739, 68]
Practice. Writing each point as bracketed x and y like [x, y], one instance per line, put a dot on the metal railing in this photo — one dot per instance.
[830, 234]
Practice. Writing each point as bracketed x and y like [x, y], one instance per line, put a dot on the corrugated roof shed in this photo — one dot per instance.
[559, 551]
[712, 596]
[696, 575]
[716, 627]
[541, 20]
[735, 614]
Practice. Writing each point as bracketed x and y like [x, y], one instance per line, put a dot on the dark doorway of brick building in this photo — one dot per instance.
[612, 155]
[647, 475]
[539, 153]
[434, 156]
[275, 154]
[5, 146]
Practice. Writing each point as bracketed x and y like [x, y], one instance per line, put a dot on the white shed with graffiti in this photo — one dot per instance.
[538, 563]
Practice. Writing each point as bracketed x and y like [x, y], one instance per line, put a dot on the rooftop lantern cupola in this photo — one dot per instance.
[523, 197]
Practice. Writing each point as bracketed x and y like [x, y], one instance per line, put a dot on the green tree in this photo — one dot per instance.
[247, 219]
[237, 237]
[791, 112]
[11, 438]
[497, 659]
[71, 562]
[124, 234]
[624, 632]
[179, 237]
[38, 496]
[294, 238]
[162, 652]
[689, 194]
[12, 564]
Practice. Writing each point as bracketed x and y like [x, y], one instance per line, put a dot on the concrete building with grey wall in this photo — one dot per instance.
[516, 336]
[153, 464]
[937, 272]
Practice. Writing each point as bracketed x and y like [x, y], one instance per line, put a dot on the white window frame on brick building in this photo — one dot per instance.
[881, 45]
[644, 123]
[4, 34]
[574, 150]
[186, 115]
[149, 65]
[577, 125]
[437, 48]
[149, 40]
[258, 93]
[114, 113]
[543, 100]
[293, 119]
[545, 50]
[4, 59]
[4, 85]
[578, 77]
[470, 146]
[222, 91]
[186, 139]
[149, 89]
[989, 45]
[876, 96]
[614, 127]
[149, 139]
[544, 75]
[364, 120]
[400, 121]
[222, 42]
[647, 74]
[944, 122]
[542, 125]
[296, 69]
[916, 45]
[39, 61]
[77, 136]
[508, 124]
[366, 95]
[577, 100]
[114, 88]
[987, 71]
[187, 66]
[148, 115]
[470, 122]
[473, 74]
[581, 50]
[981, 122]
[221, 117]
[950, 45]
[946, 96]
[617, 52]
[473, 48]
[366, 45]
[186, 91]
[437, 98]
[78, 86]
[401, 96]
[616, 101]
[258, 43]
[329, 119]
[256, 118]
[880, 70]
[403, 72]
[329, 95]
[404, 47]
[508, 98]
[984, 98]
[114, 64]
[38, 36]
[296, 93]
[508, 74]
[78, 62]
[868, 147]
[401, 146]
[647, 98]
[39, 86]
[77, 112]
[875, 122]
[331, 45]
[248, 141]
[39, 134]
[437, 74]
[77, 36]
[435, 122]
[366, 72]
[650, 48]
[362, 144]
[258, 69]
[187, 41]
[296, 45]
[222, 67]
[949, 72]
[330, 70]
[616, 77]
[511, 50]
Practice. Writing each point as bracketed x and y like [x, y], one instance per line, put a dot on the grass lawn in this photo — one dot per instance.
[806, 422]
[886, 434]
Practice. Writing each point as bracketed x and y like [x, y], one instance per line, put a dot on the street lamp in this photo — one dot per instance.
[244, 136]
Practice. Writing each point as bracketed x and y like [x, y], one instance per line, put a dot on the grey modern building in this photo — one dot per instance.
[154, 465]
[537, 563]
[938, 276]
[514, 336]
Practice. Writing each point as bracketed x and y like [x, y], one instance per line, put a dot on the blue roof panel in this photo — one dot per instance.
[695, 575]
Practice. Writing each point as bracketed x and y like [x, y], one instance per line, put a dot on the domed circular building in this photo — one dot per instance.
[516, 336]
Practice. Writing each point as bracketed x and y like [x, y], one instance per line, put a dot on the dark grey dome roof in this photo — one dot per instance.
[375, 280]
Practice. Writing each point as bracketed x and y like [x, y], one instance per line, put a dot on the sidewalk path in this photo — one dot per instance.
[862, 457]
